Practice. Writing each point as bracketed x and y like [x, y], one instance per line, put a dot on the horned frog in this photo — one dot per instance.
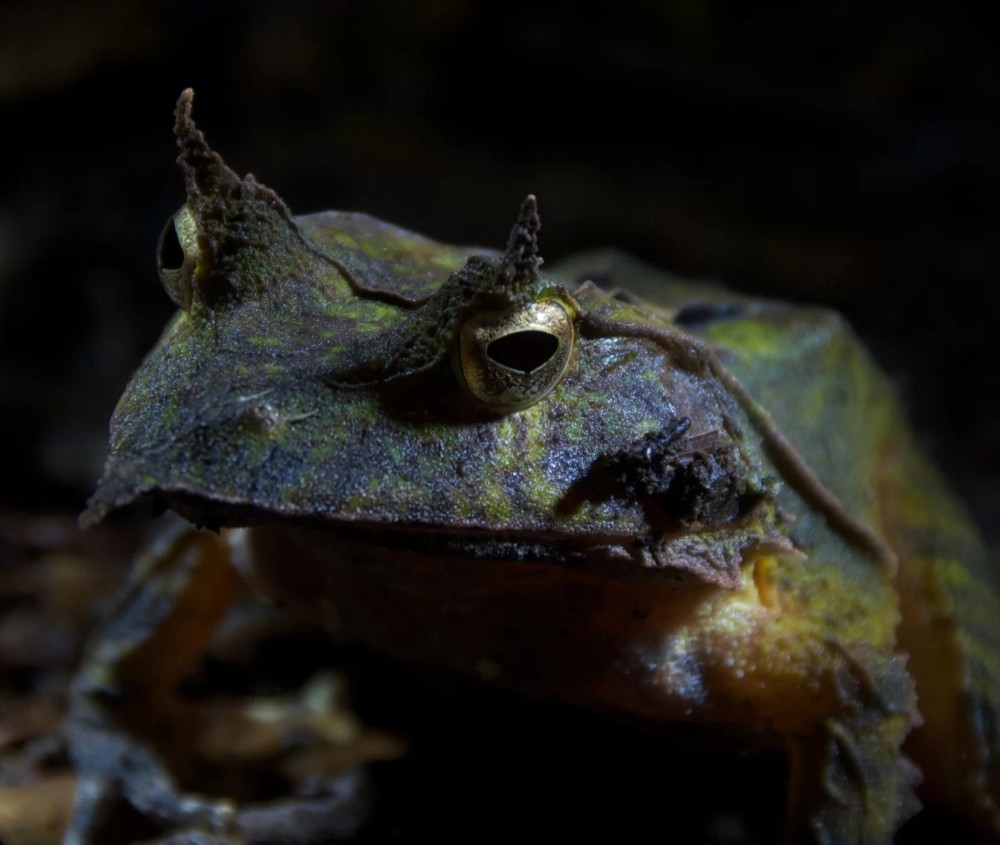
[694, 507]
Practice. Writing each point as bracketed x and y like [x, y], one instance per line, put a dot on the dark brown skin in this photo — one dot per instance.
[697, 509]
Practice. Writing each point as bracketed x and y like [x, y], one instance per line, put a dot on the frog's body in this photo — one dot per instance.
[710, 511]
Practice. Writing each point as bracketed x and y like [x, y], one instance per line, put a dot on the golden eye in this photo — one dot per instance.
[177, 256]
[511, 359]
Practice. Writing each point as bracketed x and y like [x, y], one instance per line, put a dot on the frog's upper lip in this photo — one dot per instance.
[683, 556]
[219, 511]
[469, 539]
[622, 544]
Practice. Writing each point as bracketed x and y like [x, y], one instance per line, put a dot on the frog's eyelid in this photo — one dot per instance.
[177, 255]
[521, 260]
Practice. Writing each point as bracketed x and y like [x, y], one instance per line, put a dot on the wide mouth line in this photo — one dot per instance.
[221, 513]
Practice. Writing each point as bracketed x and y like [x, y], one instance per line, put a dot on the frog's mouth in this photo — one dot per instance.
[683, 556]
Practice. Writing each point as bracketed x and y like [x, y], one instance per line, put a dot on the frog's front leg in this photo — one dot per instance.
[790, 657]
[124, 719]
[848, 781]
[843, 712]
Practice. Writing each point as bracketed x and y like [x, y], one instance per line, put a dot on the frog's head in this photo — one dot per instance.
[339, 370]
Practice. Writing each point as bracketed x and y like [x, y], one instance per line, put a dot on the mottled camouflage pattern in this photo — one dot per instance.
[312, 380]
[276, 394]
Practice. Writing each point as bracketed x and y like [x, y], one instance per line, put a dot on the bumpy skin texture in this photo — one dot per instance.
[716, 516]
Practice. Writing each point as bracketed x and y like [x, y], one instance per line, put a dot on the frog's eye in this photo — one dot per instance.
[511, 359]
[177, 256]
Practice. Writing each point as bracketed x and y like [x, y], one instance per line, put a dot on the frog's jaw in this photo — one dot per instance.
[681, 558]
[653, 647]
[537, 628]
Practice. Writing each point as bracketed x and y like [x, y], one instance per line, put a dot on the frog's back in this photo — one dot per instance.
[948, 585]
[803, 368]
[842, 417]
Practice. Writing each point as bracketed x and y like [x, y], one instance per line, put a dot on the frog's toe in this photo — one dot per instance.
[205, 820]
[148, 786]
[333, 813]
[95, 796]
[112, 767]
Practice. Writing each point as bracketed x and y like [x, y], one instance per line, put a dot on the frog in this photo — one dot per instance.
[598, 485]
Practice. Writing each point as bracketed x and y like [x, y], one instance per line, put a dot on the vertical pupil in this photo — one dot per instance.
[171, 252]
[523, 351]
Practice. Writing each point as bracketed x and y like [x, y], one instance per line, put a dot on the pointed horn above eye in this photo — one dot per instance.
[204, 170]
[246, 240]
[521, 260]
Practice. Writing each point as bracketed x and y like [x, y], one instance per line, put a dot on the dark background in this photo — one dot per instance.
[844, 153]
